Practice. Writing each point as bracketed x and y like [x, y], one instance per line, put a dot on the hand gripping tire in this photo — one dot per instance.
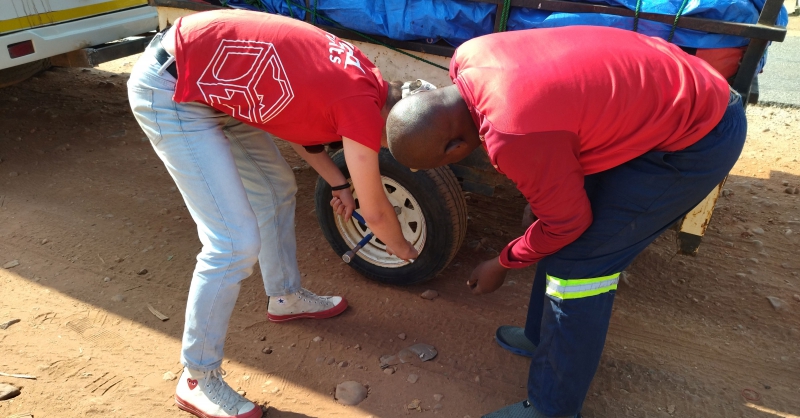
[432, 212]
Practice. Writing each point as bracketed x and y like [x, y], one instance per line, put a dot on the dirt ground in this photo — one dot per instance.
[85, 206]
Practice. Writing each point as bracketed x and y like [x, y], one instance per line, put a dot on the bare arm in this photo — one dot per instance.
[342, 202]
[362, 162]
[322, 164]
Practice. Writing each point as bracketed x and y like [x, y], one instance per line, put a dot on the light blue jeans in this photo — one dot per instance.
[240, 193]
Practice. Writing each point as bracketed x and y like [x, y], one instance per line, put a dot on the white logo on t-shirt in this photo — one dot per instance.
[235, 78]
[339, 47]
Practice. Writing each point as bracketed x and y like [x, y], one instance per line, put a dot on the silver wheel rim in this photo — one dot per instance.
[412, 223]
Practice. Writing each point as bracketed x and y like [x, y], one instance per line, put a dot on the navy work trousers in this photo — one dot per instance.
[632, 205]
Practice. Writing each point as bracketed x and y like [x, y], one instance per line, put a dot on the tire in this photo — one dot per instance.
[433, 213]
[14, 75]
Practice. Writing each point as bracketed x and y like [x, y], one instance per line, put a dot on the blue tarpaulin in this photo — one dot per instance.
[457, 20]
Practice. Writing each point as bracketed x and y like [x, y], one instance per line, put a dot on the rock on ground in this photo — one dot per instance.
[778, 303]
[350, 393]
[7, 391]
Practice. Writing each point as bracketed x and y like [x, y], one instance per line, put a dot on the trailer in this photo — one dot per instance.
[430, 204]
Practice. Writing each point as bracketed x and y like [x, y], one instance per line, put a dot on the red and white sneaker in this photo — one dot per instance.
[304, 304]
[206, 395]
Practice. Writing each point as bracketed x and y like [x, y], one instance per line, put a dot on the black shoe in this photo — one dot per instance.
[514, 340]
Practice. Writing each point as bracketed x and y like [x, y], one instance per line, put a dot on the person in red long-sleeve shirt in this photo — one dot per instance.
[612, 137]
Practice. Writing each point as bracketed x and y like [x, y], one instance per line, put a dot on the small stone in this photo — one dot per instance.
[796, 297]
[401, 336]
[7, 391]
[785, 183]
[758, 243]
[726, 192]
[321, 359]
[169, 376]
[330, 361]
[778, 303]
[414, 405]
[241, 392]
[789, 190]
[11, 264]
[438, 397]
[671, 409]
[262, 338]
[350, 393]
[753, 260]
[45, 241]
[343, 364]
[292, 345]
[474, 245]
[757, 231]
[357, 347]
[107, 279]
[412, 378]
[788, 232]
[389, 370]
[429, 294]
[729, 244]
[142, 272]
[317, 339]
[118, 298]
[741, 275]
[437, 407]
[477, 379]
[266, 350]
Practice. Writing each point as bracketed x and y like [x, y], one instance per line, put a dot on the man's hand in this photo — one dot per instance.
[408, 253]
[343, 203]
[487, 277]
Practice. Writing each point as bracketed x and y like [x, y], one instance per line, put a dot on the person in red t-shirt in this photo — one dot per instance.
[209, 93]
[612, 137]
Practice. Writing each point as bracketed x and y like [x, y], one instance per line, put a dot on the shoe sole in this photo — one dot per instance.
[511, 348]
[329, 313]
[186, 406]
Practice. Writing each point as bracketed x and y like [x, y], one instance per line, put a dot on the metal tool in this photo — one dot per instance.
[350, 255]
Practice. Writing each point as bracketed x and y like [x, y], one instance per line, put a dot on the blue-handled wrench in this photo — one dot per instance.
[348, 256]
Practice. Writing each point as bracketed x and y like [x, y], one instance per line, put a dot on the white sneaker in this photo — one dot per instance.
[304, 304]
[206, 395]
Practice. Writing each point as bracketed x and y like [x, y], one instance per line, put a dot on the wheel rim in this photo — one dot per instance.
[412, 223]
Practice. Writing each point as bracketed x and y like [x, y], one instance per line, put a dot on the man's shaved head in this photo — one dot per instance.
[431, 129]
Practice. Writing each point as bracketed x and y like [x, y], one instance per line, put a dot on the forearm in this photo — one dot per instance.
[322, 164]
[382, 220]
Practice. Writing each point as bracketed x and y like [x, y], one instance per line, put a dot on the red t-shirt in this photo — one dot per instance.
[554, 105]
[281, 75]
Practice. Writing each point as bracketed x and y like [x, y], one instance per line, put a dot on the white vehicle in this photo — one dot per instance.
[35, 34]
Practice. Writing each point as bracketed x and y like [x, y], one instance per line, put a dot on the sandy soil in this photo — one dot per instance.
[85, 205]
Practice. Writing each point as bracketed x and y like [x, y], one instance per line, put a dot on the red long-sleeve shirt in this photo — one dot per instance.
[555, 105]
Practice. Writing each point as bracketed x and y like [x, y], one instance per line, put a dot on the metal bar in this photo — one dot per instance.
[110, 52]
[755, 50]
[308, 15]
[441, 50]
[497, 11]
[760, 30]
[196, 5]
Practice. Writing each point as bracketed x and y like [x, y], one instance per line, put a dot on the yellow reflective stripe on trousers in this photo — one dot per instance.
[581, 288]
